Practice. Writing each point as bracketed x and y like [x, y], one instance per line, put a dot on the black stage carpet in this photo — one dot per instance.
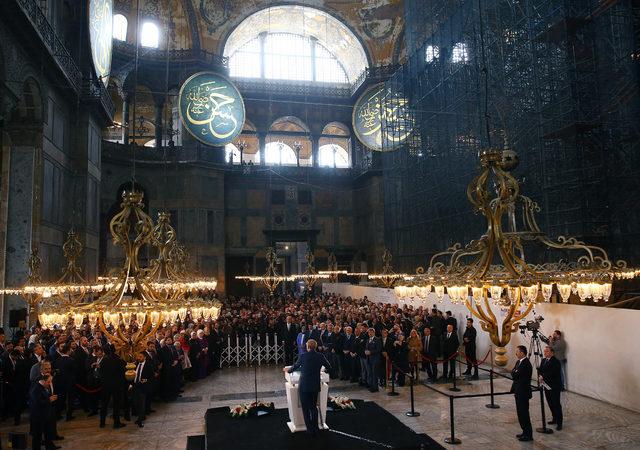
[367, 427]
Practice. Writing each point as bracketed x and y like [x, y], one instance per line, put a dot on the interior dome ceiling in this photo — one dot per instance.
[375, 24]
[331, 33]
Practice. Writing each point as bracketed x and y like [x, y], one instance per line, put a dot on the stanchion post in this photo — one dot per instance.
[454, 388]
[393, 392]
[452, 439]
[413, 412]
[491, 405]
[544, 429]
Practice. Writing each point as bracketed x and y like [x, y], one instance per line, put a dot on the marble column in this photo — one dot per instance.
[262, 143]
[125, 119]
[315, 146]
[19, 238]
[159, 106]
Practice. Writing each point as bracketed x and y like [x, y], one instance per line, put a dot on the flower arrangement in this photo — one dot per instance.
[258, 408]
[341, 402]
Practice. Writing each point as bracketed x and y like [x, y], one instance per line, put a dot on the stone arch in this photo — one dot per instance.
[30, 105]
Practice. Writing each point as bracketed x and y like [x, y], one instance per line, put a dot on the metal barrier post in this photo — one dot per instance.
[413, 412]
[454, 388]
[452, 439]
[492, 405]
[544, 428]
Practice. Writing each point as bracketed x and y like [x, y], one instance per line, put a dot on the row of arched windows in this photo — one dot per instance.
[281, 154]
[149, 34]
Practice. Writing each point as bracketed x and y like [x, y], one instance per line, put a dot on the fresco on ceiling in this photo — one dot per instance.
[215, 13]
[379, 23]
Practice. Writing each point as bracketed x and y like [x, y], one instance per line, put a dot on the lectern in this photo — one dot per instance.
[296, 419]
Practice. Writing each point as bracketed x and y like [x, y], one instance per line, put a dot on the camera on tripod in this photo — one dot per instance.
[532, 325]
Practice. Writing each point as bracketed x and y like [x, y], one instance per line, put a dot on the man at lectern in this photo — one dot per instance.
[310, 364]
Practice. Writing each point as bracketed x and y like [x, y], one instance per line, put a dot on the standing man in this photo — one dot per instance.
[450, 344]
[142, 386]
[430, 349]
[558, 345]
[289, 334]
[549, 373]
[469, 341]
[372, 351]
[112, 371]
[521, 388]
[347, 349]
[310, 364]
[41, 415]
[301, 340]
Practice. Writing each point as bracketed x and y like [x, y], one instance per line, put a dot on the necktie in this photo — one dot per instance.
[427, 343]
[138, 373]
[448, 335]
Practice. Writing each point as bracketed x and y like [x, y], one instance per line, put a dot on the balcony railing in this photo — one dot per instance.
[56, 47]
[95, 90]
[293, 88]
[181, 55]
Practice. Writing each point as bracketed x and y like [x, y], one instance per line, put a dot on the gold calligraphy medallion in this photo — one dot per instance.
[101, 36]
[211, 108]
[381, 118]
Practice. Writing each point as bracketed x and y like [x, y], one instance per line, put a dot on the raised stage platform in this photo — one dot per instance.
[369, 426]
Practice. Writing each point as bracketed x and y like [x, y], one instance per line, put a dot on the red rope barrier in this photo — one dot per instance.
[440, 361]
[87, 390]
[476, 362]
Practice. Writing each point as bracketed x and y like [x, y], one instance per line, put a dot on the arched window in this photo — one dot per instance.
[432, 52]
[231, 154]
[150, 36]
[280, 154]
[460, 53]
[332, 155]
[120, 27]
[293, 42]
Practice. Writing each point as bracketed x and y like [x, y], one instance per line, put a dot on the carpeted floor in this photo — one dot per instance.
[367, 427]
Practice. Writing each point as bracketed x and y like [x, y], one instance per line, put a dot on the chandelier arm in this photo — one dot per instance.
[449, 251]
[117, 341]
[479, 313]
[489, 311]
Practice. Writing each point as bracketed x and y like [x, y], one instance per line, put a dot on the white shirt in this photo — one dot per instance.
[139, 372]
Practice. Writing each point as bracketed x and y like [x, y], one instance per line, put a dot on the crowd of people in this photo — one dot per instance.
[58, 372]
[365, 342]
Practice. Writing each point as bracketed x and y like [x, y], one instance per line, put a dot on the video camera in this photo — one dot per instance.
[532, 325]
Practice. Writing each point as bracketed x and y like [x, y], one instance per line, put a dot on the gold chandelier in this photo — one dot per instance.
[387, 278]
[492, 271]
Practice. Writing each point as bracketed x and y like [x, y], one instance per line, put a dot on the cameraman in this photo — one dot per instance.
[559, 346]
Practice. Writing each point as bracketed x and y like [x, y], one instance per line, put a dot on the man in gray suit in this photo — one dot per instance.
[559, 346]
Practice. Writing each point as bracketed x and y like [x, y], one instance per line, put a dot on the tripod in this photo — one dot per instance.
[535, 348]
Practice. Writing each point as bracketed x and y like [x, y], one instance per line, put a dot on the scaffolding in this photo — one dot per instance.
[561, 89]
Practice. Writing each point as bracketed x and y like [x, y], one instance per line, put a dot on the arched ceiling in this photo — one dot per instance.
[330, 32]
[377, 24]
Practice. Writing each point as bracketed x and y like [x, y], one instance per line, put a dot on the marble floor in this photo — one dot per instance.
[589, 424]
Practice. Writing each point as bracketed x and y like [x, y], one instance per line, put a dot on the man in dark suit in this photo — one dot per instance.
[521, 388]
[450, 344]
[469, 341]
[301, 339]
[309, 365]
[41, 412]
[64, 381]
[288, 334]
[112, 370]
[347, 349]
[142, 385]
[373, 352]
[550, 373]
[450, 320]
[430, 350]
